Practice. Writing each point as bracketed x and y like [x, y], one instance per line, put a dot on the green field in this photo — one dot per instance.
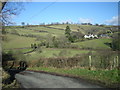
[51, 52]
[15, 41]
[83, 28]
[94, 44]
[54, 30]
[44, 33]
[35, 31]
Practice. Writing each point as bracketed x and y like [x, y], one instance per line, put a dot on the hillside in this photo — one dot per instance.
[94, 44]
[59, 29]
[85, 29]
[19, 37]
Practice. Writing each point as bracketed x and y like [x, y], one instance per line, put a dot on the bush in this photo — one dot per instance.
[104, 60]
[116, 41]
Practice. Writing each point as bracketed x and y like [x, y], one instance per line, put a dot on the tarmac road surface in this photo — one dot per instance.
[30, 79]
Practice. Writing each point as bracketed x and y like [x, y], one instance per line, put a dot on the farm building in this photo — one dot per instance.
[104, 36]
[90, 36]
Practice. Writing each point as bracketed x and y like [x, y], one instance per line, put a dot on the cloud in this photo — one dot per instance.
[85, 20]
[113, 21]
[65, 21]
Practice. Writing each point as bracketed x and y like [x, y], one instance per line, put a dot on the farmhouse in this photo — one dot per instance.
[104, 36]
[90, 36]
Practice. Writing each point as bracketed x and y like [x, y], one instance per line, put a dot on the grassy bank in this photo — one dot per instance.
[108, 78]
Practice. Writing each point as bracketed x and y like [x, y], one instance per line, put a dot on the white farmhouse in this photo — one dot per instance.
[86, 36]
[95, 36]
[90, 36]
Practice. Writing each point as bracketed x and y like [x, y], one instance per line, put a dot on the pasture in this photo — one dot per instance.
[83, 28]
[46, 32]
[58, 30]
[54, 52]
[39, 31]
[94, 44]
[15, 41]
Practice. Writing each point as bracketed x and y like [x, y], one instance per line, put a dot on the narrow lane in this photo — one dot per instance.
[29, 79]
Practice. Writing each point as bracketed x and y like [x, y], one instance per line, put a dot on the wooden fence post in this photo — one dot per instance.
[117, 63]
[90, 59]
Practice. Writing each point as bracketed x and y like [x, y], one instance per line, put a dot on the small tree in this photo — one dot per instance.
[27, 24]
[55, 42]
[67, 31]
[32, 46]
[96, 24]
[68, 34]
[23, 24]
[67, 22]
[71, 39]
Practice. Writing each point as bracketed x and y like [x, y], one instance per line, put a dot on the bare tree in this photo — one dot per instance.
[9, 10]
[2, 4]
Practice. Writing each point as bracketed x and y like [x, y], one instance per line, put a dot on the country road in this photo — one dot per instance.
[29, 79]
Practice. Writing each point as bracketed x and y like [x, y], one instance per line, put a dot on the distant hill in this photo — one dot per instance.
[59, 29]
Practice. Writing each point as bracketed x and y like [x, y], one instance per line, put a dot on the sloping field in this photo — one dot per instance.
[58, 30]
[83, 28]
[40, 31]
[94, 44]
[15, 41]
[53, 52]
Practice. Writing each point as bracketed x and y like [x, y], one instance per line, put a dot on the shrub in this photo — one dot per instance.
[116, 41]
